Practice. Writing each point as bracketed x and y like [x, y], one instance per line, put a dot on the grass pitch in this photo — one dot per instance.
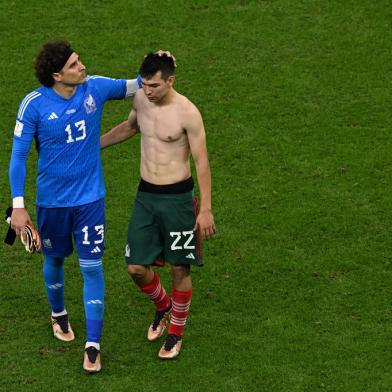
[295, 294]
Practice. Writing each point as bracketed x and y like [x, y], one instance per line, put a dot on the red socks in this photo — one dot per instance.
[155, 291]
[181, 301]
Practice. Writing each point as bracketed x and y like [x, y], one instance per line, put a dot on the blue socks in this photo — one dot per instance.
[93, 297]
[53, 271]
[93, 291]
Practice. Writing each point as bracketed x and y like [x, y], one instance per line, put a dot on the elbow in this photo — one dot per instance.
[202, 161]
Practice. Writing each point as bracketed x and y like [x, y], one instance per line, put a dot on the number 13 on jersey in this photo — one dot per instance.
[80, 131]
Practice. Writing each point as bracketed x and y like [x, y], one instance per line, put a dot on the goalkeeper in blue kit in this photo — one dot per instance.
[63, 116]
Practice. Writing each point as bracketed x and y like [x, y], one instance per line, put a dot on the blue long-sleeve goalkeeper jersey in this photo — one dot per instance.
[67, 133]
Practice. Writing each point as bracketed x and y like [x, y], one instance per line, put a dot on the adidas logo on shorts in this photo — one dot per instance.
[97, 249]
[190, 256]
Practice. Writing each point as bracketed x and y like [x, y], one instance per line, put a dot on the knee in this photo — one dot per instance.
[50, 261]
[137, 272]
[180, 272]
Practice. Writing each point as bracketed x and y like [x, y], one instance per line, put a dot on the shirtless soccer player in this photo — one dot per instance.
[165, 225]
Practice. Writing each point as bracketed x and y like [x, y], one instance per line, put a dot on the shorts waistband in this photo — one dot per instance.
[178, 187]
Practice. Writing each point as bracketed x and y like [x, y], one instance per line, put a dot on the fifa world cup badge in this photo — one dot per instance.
[18, 129]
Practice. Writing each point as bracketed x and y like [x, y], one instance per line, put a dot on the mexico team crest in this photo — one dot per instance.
[89, 104]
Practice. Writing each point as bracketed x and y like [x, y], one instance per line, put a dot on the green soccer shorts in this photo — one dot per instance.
[161, 230]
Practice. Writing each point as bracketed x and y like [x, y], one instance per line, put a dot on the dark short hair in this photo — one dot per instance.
[154, 63]
[50, 59]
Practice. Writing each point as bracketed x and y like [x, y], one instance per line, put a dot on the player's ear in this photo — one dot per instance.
[170, 80]
[56, 76]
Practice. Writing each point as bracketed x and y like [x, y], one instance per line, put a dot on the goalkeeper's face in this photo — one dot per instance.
[73, 72]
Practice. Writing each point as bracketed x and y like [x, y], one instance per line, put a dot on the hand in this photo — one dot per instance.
[31, 239]
[168, 54]
[19, 219]
[205, 224]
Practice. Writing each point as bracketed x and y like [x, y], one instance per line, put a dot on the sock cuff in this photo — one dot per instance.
[152, 285]
[93, 344]
[58, 314]
[182, 296]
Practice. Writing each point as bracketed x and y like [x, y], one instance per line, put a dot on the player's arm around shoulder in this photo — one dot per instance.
[122, 131]
[193, 124]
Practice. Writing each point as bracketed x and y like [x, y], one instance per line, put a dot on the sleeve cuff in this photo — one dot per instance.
[18, 202]
[132, 87]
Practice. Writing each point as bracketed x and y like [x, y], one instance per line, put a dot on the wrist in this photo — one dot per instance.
[18, 202]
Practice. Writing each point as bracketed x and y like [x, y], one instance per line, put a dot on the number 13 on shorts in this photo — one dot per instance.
[99, 233]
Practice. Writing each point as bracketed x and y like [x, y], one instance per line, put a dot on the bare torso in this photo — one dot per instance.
[165, 146]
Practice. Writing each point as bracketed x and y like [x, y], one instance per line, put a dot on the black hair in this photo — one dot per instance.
[50, 59]
[153, 63]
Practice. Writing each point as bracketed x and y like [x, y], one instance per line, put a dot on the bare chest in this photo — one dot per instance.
[163, 124]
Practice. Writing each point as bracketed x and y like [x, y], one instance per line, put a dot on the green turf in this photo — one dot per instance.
[296, 292]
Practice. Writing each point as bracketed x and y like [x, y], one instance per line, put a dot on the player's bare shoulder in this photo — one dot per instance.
[138, 99]
[185, 104]
[190, 114]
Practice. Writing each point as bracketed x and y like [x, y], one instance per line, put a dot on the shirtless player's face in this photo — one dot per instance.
[156, 88]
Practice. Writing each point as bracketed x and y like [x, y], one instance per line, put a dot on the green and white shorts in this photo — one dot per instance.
[161, 226]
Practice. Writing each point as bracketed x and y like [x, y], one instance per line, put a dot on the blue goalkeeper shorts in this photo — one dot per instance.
[83, 226]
